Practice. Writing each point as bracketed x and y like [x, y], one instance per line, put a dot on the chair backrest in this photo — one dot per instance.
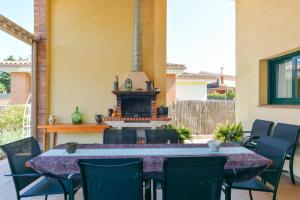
[161, 136]
[108, 179]
[287, 132]
[124, 136]
[261, 128]
[17, 154]
[274, 149]
[193, 178]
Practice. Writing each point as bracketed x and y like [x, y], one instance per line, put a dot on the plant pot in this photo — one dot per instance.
[71, 147]
[99, 119]
[162, 110]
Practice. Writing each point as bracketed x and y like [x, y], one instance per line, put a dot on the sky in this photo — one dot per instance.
[200, 33]
[21, 12]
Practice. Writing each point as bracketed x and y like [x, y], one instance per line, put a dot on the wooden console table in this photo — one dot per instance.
[68, 128]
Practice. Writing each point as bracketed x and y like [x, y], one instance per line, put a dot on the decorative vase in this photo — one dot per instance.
[128, 85]
[51, 119]
[148, 85]
[99, 119]
[77, 116]
[116, 84]
[110, 111]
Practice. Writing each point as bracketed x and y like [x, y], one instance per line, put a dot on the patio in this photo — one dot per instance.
[130, 125]
[287, 190]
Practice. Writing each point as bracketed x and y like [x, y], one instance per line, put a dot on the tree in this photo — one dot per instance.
[2, 88]
[10, 58]
[5, 80]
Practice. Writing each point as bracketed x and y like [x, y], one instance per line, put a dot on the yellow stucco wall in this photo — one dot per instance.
[90, 43]
[265, 29]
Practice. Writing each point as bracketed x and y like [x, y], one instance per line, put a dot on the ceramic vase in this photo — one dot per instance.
[51, 119]
[77, 116]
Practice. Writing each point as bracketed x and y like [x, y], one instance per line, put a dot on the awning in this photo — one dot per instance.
[17, 31]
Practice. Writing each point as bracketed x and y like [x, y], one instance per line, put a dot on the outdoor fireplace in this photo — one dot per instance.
[136, 104]
[136, 107]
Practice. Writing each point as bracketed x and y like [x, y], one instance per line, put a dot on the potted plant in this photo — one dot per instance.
[162, 110]
[227, 132]
[183, 132]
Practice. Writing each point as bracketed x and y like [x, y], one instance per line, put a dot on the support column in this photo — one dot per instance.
[41, 29]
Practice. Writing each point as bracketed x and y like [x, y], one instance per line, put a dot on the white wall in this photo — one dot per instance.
[191, 91]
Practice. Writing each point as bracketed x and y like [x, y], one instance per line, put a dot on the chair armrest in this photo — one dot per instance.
[255, 137]
[25, 175]
[248, 139]
[246, 132]
[272, 170]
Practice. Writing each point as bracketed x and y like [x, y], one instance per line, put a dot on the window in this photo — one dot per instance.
[284, 80]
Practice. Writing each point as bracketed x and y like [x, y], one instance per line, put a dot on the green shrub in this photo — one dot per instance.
[183, 133]
[229, 132]
[8, 137]
[11, 124]
[11, 118]
[230, 95]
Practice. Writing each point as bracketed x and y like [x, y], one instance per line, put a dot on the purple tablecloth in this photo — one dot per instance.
[241, 165]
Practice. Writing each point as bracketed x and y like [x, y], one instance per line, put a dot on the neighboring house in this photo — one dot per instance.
[222, 85]
[20, 81]
[173, 71]
[194, 86]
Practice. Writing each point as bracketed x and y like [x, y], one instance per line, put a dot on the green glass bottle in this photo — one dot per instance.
[77, 116]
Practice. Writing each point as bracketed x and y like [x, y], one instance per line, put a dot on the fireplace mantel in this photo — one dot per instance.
[135, 92]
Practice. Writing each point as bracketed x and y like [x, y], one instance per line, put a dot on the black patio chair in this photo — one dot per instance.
[193, 178]
[290, 133]
[161, 136]
[274, 149]
[259, 128]
[112, 179]
[18, 153]
[115, 136]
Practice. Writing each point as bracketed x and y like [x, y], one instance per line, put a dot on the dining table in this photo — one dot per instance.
[242, 164]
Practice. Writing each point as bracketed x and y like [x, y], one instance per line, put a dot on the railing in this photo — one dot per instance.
[202, 117]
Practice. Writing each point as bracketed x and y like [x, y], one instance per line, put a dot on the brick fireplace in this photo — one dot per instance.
[136, 104]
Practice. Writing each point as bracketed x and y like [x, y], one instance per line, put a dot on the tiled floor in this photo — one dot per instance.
[287, 191]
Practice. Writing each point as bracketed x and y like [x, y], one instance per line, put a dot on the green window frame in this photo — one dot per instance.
[284, 80]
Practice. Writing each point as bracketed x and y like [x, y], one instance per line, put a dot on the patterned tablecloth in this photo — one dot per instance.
[242, 164]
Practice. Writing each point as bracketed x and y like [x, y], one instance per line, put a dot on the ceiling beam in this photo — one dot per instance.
[16, 30]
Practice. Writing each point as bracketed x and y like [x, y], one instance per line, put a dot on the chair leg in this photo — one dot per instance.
[250, 194]
[228, 193]
[274, 196]
[148, 189]
[46, 197]
[154, 189]
[291, 165]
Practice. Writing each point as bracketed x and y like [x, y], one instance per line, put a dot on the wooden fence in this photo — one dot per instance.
[202, 117]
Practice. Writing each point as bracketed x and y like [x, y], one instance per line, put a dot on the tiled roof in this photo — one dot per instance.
[175, 66]
[200, 75]
[14, 63]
